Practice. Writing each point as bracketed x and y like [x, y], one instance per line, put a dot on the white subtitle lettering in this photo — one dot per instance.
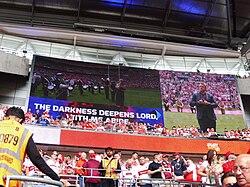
[42, 106]
[146, 116]
[110, 113]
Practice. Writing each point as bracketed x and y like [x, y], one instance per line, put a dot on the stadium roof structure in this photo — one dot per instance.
[186, 28]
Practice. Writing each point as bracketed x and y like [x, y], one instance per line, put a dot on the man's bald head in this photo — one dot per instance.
[242, 170]
[243, 156]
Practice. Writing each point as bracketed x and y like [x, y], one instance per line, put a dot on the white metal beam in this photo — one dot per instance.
[108, 40]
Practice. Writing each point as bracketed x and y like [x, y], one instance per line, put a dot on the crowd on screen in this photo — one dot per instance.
[180, 86]
[140, 128]
[172, 166]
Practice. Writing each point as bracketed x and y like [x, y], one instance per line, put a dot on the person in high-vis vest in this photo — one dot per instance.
[109, 167]
[15, 142]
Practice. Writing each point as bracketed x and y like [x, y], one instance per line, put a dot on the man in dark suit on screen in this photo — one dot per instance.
[205, 105]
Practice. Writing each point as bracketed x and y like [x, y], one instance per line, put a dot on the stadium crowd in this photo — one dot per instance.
[140, 128]
[108, 169]
[138, 168]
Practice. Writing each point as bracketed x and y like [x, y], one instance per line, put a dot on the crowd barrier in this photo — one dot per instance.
[127, 182]
[122, 182]
[31, 179]
[155, 182]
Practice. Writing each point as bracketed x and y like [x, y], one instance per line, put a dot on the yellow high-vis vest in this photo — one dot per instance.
[110, 167]
[13, 142]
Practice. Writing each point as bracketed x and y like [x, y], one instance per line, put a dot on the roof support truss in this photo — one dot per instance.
[124, 10]
[209, 12]
[167, 13]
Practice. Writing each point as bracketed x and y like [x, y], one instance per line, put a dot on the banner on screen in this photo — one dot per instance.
[95, 112]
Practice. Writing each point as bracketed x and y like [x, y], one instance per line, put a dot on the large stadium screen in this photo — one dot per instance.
[96, 92]
[179, 88]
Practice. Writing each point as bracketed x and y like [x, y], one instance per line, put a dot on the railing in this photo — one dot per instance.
[155, 182]
[72, 179]
[135, 182]
[31, 179]
[124, 182]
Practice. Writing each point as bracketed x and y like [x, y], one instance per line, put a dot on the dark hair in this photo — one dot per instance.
[68, 156]
[108, 149]
[226, 175]
[154, 155]
[15, 111]
[118, 152]
[210, 155]
[135, 153]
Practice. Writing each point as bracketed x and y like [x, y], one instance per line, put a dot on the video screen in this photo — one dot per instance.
[88, 91]
[180, 93]
[95, 91]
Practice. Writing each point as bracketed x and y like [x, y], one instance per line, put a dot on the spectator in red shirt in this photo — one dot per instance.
[248, 152]
[167, 167]
[93, 164]
[229, 164]
[226, 167]
[191, 173]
